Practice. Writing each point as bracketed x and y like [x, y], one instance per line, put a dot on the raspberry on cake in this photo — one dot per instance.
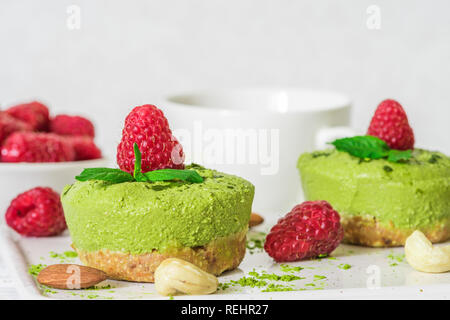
[34, 113]
[72, 126]
[309, 230]
[36, 147]
[148, 127]
[36, 213]
[390, 123]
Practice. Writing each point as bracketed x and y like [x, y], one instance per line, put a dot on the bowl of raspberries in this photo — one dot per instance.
[37, 149]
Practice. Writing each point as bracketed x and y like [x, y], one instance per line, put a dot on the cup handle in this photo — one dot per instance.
[326, 135]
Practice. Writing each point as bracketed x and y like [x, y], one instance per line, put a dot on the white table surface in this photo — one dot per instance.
[7, 283]
[405, 285]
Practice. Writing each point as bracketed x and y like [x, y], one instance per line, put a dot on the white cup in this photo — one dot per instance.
[258, 134]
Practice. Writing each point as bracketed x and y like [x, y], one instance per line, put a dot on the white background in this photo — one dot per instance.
[128, 53]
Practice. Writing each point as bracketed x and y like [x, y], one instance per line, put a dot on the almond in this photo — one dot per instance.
[255, 219]
[70, 276]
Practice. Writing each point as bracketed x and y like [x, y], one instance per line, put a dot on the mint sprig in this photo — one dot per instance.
[369, 147]
[137, 160]
[119, 176]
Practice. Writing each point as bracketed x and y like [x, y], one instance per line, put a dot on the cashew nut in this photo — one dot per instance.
[423, 256]
[178, 276]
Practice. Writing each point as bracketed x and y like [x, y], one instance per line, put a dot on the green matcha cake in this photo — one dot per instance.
[380, 202]
[127, 229]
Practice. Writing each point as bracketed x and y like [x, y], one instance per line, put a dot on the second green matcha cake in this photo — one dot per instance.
[381, 203]
[127, 229]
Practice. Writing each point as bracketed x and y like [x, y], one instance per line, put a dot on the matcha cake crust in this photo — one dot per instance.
[222, 254]
[368, 232]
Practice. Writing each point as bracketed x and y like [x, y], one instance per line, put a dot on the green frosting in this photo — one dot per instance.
[415, 194]
[138, 217]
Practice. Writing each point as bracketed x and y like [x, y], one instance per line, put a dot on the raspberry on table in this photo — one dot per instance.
[148, 127]
[36, 213]
[72, 126]
[36, 147]
[85, 148]
[390, 124]
[309, 230]
[34, 113]
[9, 124]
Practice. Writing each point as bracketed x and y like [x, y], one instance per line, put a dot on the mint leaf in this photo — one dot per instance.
[137, 174]
[137, 160]
[171, 174]
[105, 174]
[140, 177]
[363, 147]
[398, 155]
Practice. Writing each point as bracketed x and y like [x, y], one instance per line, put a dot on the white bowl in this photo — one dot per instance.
[16, 178]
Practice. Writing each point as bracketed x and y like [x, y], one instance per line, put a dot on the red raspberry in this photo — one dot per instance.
[390, 123]
[85, 148]
[36, 213]
[9, 125]
[148, 127]
[34, 113]
[311, 229]
[72, 126]
[36, 147]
